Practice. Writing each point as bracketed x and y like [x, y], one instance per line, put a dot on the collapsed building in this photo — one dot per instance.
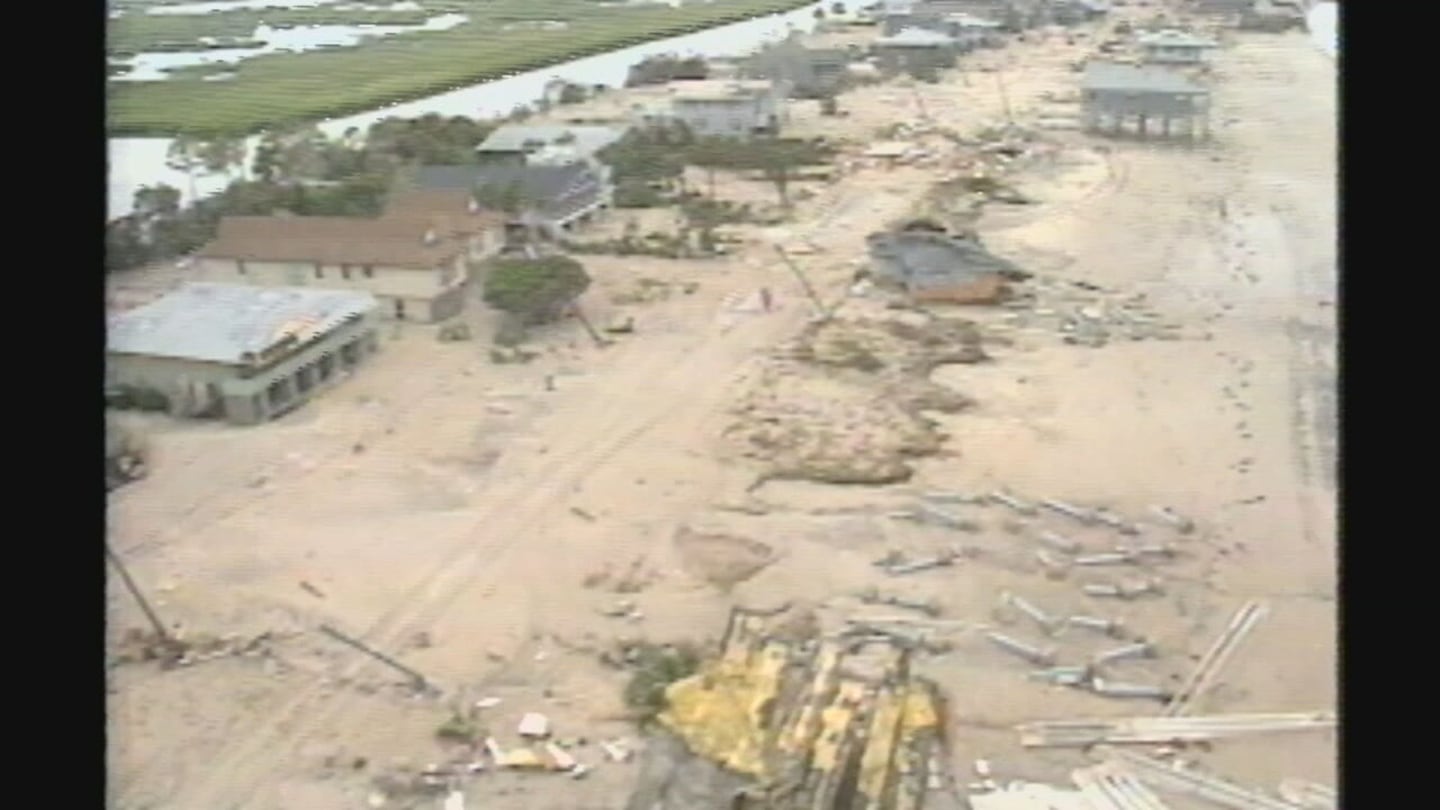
[939, 267]
[783, 722]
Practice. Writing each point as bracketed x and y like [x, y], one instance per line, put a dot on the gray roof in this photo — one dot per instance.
[917, 37]
[1110, 76]
[921, 259]
[557, 190]
[588, 139]
[221, 323]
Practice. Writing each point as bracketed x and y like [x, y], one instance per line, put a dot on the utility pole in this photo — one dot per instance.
[1004, 98]
[804, 283]
[421, 683]
[600, 341]
[166, 640]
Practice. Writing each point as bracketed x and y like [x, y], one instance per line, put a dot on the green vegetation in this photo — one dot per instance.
[657, 666]
[299, 171]
[284, 89]
[535, 290]
[138, 32]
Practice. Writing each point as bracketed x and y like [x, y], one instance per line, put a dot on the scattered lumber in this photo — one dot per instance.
[1164, 777]
[1205, 673]
[1107, 785]
[1158, 730]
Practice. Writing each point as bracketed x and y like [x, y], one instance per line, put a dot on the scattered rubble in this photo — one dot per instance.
[721, 560]
[803, 420]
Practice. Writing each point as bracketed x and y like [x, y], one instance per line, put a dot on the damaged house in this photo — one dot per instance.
[240, 353]
[734, 109]
[1175, 48]
[519, 144]
[550, 200]
[415, 259]
[808, 72]
[939, 267]
[916, 51]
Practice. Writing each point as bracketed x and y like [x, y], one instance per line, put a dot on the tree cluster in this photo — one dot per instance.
[302, 172]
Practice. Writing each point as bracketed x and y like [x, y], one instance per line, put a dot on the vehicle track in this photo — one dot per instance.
[233, 776]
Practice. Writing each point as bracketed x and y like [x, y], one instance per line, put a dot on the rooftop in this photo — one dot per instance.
[971, 21]
[719, 89]
[223, 323]
[1175, 39]
[1109, 76]
[520, 137]
[557, 190]
[419, 240]
[917, 38]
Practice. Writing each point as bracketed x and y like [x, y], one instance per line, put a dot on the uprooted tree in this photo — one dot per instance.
[535, 291]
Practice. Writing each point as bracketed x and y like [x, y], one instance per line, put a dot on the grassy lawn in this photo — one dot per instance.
[284, 89]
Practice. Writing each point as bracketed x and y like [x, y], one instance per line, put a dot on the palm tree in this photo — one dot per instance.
[187, 154]
[223, 155]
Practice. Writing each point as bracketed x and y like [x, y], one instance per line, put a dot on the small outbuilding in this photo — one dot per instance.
[730, 108]
[1273, 16]
[244, 354]
[938, 267]
[1175, 48]
[917, 52]
[1115, 95]
[809, 73]
[516, 143]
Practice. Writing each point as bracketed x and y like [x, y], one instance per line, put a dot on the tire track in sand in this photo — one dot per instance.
[232, 778]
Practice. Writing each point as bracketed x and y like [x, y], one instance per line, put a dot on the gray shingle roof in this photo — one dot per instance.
[221, 323]
[557, 191]
[514, 137]
[1109, 76]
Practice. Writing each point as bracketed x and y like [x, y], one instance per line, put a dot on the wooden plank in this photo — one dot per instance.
[1212, 789]
[1166, 729]
[1210, 665]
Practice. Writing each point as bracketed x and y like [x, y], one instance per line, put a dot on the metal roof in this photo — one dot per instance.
[1114, 77]
[584, 139]
[917, 37]
[221, 323]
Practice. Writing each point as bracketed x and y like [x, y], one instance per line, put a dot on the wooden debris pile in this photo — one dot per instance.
[821, 723]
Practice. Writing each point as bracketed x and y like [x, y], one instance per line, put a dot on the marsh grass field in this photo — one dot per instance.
[281, 89]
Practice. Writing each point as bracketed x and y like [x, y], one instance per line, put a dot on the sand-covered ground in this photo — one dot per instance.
[458, 515]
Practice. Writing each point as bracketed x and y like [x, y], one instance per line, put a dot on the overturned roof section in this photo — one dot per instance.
[586, 140]
[229, 323]
[917, 38]
[925, 260]
[1110, 77]
[847, 720]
